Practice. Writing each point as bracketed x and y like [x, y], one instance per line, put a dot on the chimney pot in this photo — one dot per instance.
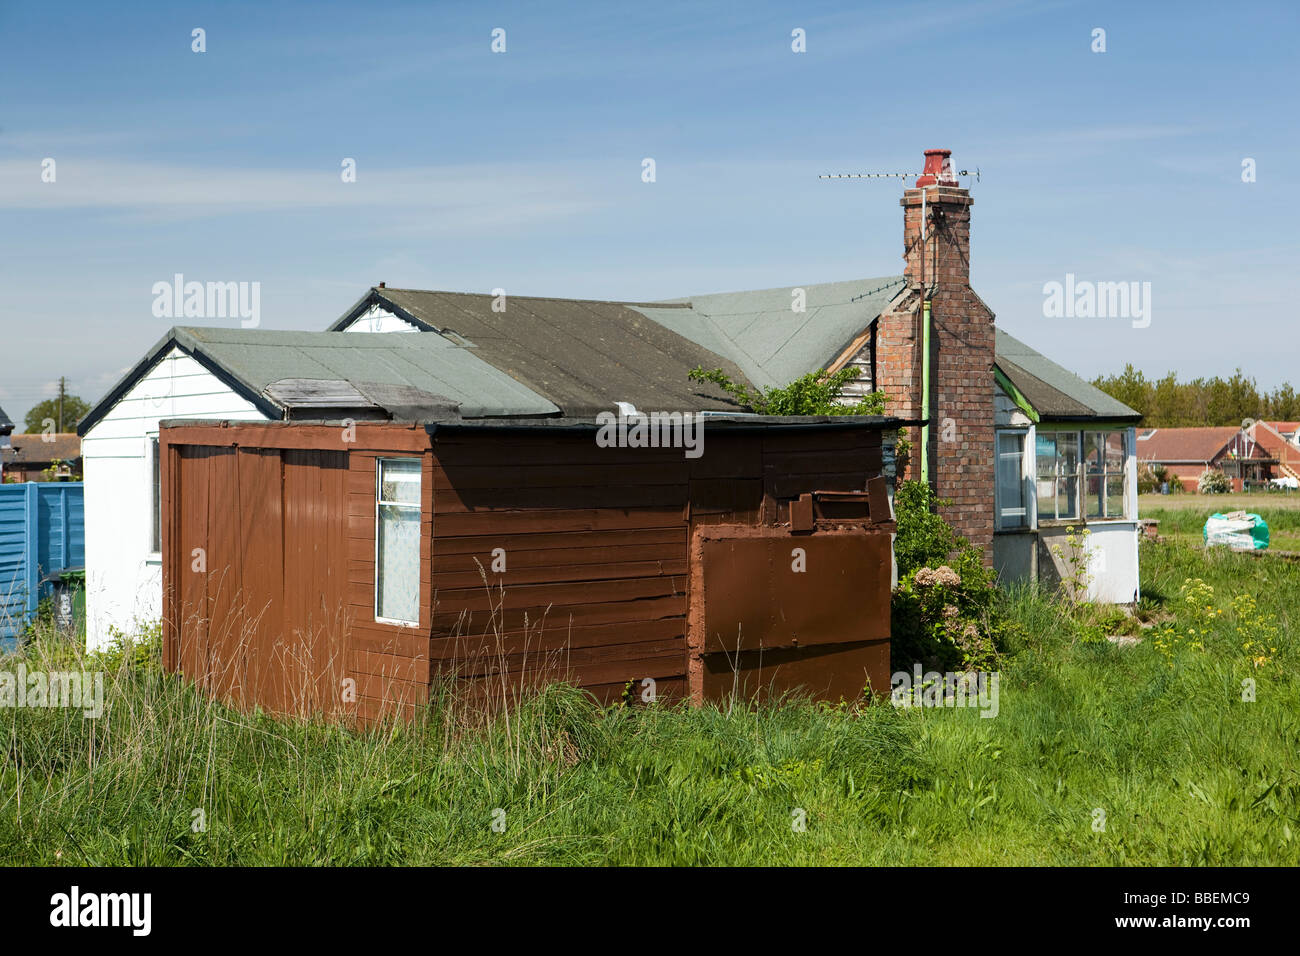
[938, 169]
[381, 285]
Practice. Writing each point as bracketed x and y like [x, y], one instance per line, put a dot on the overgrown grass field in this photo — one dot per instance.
[1100, 754]
[1182, 517]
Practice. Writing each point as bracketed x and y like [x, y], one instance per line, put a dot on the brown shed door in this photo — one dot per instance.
[262, 609]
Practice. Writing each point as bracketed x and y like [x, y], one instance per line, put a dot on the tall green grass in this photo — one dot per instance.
[1184, 770]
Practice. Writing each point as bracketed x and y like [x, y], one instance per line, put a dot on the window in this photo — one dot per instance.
[1075, 465]
[1013, 511]
[1058, 475]
[1104, 477]
[397, 540]
[155, 500]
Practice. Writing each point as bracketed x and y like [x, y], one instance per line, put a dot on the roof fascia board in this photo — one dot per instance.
[1000, 377]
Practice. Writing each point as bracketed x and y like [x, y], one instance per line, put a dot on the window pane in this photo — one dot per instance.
[1045, 446]
[1010, 487]
[1115, 496]
[399, 480]
[1115, 451]
[397, 593]
[1067, 497]
[1093, 485]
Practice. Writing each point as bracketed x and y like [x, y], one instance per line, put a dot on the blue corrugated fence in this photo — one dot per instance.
[42, 531]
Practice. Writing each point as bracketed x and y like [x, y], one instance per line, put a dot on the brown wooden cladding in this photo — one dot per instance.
[596, 545]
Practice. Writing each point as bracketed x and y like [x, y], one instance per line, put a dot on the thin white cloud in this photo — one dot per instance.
[505, 194]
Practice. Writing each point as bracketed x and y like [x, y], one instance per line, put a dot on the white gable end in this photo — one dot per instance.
[123, 570]
[379, 319]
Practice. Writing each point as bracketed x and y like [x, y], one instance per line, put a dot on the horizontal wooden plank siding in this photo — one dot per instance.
[543, 556]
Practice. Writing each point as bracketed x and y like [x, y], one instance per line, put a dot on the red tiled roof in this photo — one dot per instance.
[1185, 444]
[1269, 439]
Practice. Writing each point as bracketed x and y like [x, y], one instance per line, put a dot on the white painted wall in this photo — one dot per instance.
[123, 576]
[379, 319]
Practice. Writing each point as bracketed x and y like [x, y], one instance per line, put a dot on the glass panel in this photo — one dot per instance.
[1045, 446]
[397, 593]
[1067, 470]
[1115, 496]
[1094, 449]
[1115, 451]
[1093, 491]
[1067, 497]
[1010, 488]
[399, 480]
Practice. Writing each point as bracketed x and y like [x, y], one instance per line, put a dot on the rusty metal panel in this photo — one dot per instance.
[783, 591]
[826, 671]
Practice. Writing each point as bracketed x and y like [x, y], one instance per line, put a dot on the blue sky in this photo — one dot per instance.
[522, 170]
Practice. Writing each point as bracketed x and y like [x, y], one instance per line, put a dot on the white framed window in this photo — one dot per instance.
[1105, 458]
[1012, 491]
[1057, 482]
[155, 498]
[397, 540]
[1081, 475]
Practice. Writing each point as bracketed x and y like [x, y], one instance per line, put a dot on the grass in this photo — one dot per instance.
[1182, 517]
[1156, 736]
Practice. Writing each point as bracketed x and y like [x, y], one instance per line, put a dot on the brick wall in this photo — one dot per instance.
[962, 342]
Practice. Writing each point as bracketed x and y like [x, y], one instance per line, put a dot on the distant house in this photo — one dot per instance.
[1189, 452]
[1290, 431]
[1281, 441]
[42, 457]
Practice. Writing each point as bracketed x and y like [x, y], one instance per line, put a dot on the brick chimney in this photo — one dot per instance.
[960, 455]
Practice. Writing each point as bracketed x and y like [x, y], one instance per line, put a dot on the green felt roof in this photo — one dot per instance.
[1054, 391]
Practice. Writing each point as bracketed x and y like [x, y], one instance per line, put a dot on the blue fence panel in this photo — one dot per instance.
[42, 531]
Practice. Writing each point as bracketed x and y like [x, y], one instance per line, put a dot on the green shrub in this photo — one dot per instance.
[946, 609]
[813, 394]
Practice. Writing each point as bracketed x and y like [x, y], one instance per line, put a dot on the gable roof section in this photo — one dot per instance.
[1186, 445]
[753, 336]
[1055, 392]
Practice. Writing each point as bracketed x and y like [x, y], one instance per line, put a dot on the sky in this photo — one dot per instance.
[523, 169]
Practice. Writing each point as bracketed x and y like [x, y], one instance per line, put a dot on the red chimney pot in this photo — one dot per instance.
[938, 169]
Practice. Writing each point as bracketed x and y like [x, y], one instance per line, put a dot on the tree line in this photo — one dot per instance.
[1169, 403]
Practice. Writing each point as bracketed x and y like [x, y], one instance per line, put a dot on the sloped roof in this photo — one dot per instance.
[1270, 438]
[38, 447]
[437, 375]
[6, 422]
[555, 344]
[1190, 445]
[772, 344]
[1055, 392]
